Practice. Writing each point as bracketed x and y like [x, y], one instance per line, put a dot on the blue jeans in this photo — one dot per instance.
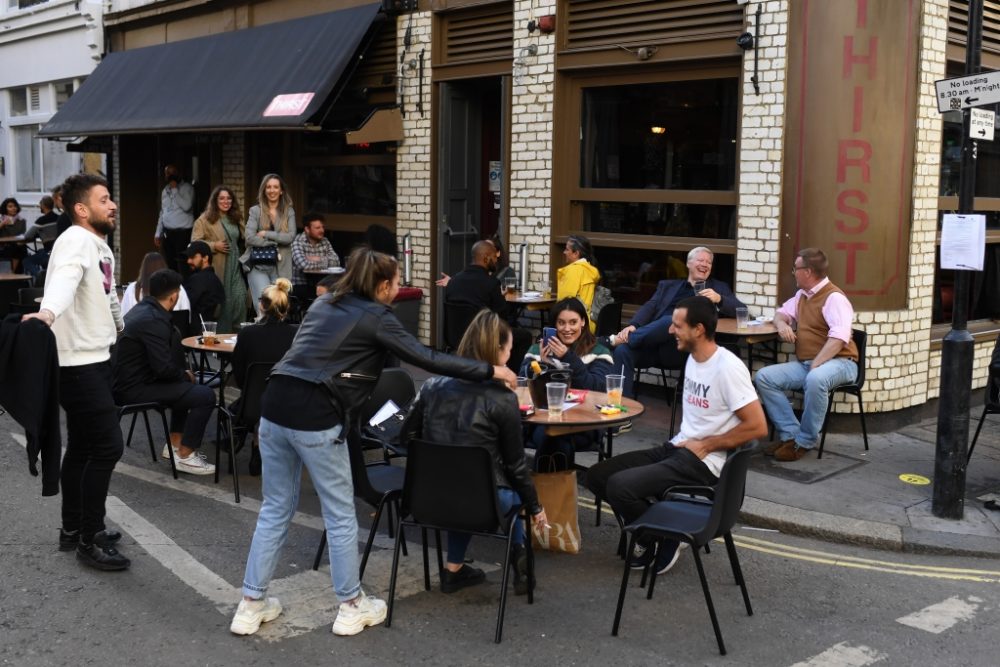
[773, 381]
[259, 278]
[648, 346]
[325, 455]
[458, 543]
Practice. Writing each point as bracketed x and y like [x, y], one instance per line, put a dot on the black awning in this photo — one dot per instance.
[278, 76]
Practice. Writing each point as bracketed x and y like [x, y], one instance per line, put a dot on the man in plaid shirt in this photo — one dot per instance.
[311, 250]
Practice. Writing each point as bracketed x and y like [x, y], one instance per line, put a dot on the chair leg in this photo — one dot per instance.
[371, 538]
[395, 570]
[427, 569]
[708, 601]
[170, 448]
[149, 435]
[864, 427]
[734, 561]
[622, 590]
[505, 580]
[131, 429]
[395, 506]
[826, 418]
[530, 553]
[982, 418]
[437, 541]
[319, 551]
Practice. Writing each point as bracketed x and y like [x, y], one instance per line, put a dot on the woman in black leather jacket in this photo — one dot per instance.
[307, 411]
[484, 414]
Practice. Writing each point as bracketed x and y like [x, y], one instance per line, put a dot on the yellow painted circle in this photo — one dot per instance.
[918, 480]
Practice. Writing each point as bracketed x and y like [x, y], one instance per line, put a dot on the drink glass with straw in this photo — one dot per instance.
[614, 388]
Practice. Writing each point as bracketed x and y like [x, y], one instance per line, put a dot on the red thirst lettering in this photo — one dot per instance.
[843, 161]
[852, 248]
[850, 58]
[859, 107]
[846, 209]
[862, 15]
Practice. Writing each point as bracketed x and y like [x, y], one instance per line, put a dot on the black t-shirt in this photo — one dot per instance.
[298, 404]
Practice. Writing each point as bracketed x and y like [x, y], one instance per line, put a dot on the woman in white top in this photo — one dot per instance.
[270, 222]
[137, 291]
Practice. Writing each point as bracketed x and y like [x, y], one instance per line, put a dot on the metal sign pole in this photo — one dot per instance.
[957, 348]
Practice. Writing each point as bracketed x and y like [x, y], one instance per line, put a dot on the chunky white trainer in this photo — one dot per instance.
[251, 613]
[166, 452]
[353, 618]
[194, 464]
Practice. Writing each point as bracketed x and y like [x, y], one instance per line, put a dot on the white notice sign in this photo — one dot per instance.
[963, 242]
[981, 124]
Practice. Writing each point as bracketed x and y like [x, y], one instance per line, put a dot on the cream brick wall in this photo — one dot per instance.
[530, 211]
[413, 159]
[233, 158]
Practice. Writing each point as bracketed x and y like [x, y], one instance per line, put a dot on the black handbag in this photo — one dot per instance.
[264, 255]
[389, 430]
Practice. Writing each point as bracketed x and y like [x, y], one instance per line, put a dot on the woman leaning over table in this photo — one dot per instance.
[318, 386]
[589, 364]
[271, 222]
[221, 227]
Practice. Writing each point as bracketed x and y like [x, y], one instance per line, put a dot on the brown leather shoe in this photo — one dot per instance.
[770, 448]
[790, 452]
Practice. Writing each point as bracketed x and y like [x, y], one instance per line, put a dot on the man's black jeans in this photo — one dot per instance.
[93, 445]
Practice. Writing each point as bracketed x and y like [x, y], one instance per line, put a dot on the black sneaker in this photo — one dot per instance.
[455, 581]
[100, 554]
[69, 541]
[621, 429]
[667, 555]
[641, 557]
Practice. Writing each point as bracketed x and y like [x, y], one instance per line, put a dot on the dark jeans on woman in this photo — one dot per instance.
[93, 445]
[628, 481]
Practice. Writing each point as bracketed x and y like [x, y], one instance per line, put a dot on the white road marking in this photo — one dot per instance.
[843, 655]
[939, 617]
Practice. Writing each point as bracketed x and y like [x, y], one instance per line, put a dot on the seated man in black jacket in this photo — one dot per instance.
[203, 287]
[149, 366]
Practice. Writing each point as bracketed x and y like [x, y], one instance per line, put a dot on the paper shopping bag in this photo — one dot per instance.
[557, 495]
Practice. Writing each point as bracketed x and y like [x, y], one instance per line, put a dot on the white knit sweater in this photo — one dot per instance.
[80, 292]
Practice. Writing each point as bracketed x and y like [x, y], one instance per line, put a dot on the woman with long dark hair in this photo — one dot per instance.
[307, 414]
[139, 290]
[270, 223]
[12, 224]
[221, 227]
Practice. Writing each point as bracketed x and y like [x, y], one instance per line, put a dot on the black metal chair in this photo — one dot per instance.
[673, 393]
[991, 402]
[378, 484]
[136, 409]
[244, 420]
[457, 318]
[609, 320]
[860, 341]
[696, 522]
[451, 487]
[396, 385]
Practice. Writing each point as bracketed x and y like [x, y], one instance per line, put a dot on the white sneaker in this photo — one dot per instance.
[194, 464]
[352, 619]
[251, 613]
[166, 452]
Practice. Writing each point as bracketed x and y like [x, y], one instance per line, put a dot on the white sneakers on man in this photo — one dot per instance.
[251, 613]
[353, 618]
[194, 464]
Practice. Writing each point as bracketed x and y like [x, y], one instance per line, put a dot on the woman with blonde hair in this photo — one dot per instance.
[270, 224]
[306, 411]
[482, 414]
[221, 227]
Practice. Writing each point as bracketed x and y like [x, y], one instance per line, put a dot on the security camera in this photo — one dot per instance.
[745, 41]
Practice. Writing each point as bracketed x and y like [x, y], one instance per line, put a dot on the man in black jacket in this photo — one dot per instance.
[203, 287]
[150, 367]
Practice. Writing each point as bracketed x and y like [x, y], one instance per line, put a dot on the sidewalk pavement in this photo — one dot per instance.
[855, 496]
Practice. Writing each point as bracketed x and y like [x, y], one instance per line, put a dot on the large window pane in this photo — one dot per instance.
[632, 274]
[18, 101]
[675, 135]
[987, 160]
[57, 163]
[354, 190]
[706, 221]
[27, 158]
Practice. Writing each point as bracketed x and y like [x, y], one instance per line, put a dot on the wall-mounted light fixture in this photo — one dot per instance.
[656, 129]
[642, 53]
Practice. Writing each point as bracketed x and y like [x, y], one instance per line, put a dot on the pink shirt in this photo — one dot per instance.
[837, 311]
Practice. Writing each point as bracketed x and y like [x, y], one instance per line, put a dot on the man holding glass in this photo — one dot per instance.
[721, 412]
[825, 356]
[647, 341]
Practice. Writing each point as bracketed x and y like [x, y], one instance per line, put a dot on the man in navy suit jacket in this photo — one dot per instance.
[647, 341]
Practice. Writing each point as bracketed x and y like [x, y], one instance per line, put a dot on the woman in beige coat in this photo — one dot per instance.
[221, 227]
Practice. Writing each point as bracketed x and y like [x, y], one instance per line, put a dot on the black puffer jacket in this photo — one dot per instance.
[343, 346]
[453, 411]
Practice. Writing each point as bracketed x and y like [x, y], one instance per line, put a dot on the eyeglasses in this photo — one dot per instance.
[798, 268]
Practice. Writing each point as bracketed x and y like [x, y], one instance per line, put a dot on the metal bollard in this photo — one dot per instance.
[407, 261]
[522, 253]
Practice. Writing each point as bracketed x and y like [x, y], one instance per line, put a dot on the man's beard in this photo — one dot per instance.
[106, 227]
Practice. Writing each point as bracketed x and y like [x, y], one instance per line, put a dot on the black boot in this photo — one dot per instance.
[519, 564]
[254, 461]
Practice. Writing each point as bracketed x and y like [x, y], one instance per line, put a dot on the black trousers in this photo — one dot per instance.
[190, 406]
[629, 480]
[175, 241]
[93, 445]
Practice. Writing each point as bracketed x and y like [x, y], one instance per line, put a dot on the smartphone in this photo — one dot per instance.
[547, 333]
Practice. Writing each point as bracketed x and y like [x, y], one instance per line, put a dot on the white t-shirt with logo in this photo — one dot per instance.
[713, 391]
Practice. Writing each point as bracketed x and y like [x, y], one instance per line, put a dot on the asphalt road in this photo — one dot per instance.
[814, 603]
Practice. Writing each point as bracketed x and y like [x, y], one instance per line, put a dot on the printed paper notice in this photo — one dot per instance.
[963, 242]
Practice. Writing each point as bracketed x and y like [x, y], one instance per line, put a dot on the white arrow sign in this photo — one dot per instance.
[964, 92]
[981, 124]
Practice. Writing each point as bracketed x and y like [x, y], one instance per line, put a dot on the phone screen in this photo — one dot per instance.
[547, 333]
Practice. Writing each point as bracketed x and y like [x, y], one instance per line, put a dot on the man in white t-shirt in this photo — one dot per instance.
[721, 412]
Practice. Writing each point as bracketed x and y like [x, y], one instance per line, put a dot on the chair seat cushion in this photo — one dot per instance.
[385, 478]
[675, 517]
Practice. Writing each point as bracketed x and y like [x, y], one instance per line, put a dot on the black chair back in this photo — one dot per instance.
[394, 384]
[728, 495]
[252, 391]
[27, 295]
[457, 318]
[451, 487]
[861, 342]
[609, 320]
[181, 320]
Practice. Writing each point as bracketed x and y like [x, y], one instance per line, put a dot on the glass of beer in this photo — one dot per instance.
[208, 333]
[614, 387]
[523, 394]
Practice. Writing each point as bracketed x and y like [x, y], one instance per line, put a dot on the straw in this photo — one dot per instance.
[203, 324]
[623, 369]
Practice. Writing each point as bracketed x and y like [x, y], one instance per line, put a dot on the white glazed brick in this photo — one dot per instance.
[233, 153]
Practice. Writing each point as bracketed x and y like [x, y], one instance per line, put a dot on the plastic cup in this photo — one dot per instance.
[742, 318]
[208, 333]
[523, 394]
[555, 393]
[546, 290]
[614, 387]
[510, 284]
[699, 286]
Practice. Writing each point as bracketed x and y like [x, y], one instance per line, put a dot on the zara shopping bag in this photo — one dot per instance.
[557, 495]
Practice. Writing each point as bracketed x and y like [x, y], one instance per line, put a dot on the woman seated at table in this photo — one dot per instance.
[138, 290]
[266, 341]
[485, 414]
[12, 224]
[589, 363]
[579, 277]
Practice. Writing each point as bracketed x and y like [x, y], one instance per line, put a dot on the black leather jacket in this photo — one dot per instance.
[453, 411]
[343, 346]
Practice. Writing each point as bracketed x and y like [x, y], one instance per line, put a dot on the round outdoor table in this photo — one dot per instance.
[539, 304]
[14, 276]
[758, 332]
[224, 350]
[13, 239]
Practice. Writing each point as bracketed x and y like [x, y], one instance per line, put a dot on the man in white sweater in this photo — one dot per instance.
[81, 306]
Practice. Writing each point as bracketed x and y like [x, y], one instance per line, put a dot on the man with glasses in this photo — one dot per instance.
[818, 321]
